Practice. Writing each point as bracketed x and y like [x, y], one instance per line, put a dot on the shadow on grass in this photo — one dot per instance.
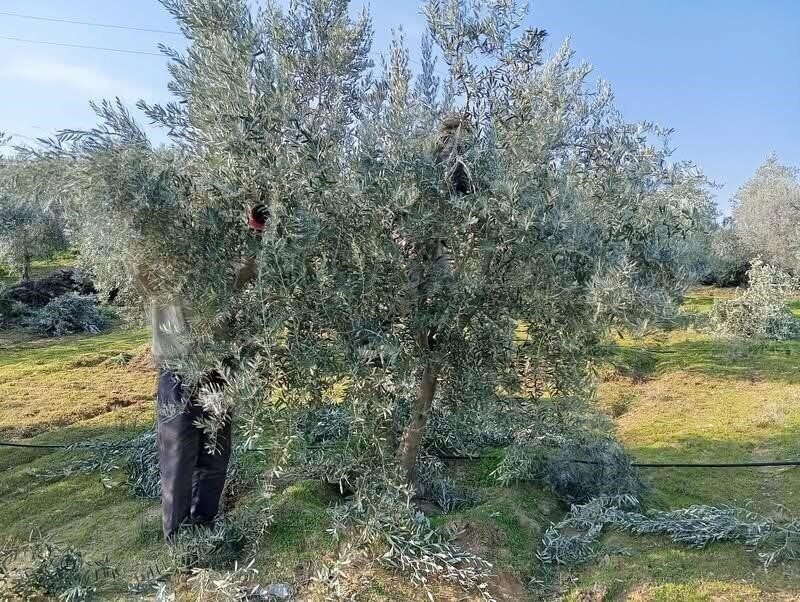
[775, 360]
[102, 521]
[763, 487]
[634, 362]
[79, 509]
[698, 304]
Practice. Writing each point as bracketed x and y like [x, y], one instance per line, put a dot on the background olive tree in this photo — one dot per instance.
[32, 222]
[766, 214]
[727, 257]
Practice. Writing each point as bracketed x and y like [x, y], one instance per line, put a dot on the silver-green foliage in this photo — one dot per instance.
[573, 222]
[760, 311]
[138, 457]
[575, 540]
[728, 257]
[399, 261]
[567, 447]
[67, 314]
[406, 541]
[766, 214]
[31, 215]
[43, 569]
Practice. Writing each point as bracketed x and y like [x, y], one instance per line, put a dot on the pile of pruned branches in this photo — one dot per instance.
[575, 540]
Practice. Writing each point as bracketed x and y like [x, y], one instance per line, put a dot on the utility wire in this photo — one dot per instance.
[89, 23]
[48, 43]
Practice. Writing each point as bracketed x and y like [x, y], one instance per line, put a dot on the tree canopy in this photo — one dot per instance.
[766, 214]
[456, 243]
[380, 266]
[31, 214]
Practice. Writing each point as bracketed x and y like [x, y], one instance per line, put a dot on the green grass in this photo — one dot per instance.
[690, 397]
[69, 390]
[42, 267]
[60, 391]
[702, 299]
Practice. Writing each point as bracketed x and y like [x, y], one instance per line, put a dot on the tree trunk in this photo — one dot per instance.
[26, 268]
[420, 409]
[421, 405]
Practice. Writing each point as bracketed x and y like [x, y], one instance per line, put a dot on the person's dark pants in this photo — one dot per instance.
[192, 479]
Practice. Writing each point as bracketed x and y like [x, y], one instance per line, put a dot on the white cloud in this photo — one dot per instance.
[81, 79]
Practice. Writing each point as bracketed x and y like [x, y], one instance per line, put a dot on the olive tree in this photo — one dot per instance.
[727, 257]
[31, 215]
[460, 242]
[766, 214]
[429, 242]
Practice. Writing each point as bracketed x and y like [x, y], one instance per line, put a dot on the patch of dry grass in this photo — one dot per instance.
[51, 384]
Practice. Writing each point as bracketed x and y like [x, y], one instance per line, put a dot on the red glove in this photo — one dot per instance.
[257, 218]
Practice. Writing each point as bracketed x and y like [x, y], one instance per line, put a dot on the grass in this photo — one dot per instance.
[680, 395]
[68, 391]
[85, 388]
[42, 267]
[689, 397]
[702, 298]
[49, 384]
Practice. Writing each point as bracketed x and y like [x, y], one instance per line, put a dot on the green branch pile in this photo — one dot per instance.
[575, 540]
[40, 568]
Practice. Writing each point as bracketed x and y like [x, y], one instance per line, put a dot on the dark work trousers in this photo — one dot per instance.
[192, 479]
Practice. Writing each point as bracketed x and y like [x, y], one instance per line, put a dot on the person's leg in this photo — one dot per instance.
[209, 476]
[178, 446]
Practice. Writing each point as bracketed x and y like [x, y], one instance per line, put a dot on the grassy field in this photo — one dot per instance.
[684, 396]
[41, 267]
[679, 395]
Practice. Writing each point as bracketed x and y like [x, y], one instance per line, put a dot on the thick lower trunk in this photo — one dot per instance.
[440, 264]
[420, 409]
[26, 268]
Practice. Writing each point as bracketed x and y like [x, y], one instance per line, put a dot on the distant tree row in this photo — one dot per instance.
[32, 221]
[764, 225]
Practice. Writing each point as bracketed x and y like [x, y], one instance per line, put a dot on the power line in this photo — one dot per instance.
[89, 24]
[48, 43]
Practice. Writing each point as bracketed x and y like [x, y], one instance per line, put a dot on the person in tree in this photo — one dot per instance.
[451, 144]
[192, 470]
[455, 134]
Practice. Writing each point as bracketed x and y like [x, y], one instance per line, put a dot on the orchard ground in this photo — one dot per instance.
[680, 396]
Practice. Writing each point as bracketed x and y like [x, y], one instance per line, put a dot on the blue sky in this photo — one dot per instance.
[724, 73]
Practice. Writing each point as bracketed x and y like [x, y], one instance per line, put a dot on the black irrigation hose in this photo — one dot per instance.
[32, 445]
[663, 465]
[703, 465]
[634, 464]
